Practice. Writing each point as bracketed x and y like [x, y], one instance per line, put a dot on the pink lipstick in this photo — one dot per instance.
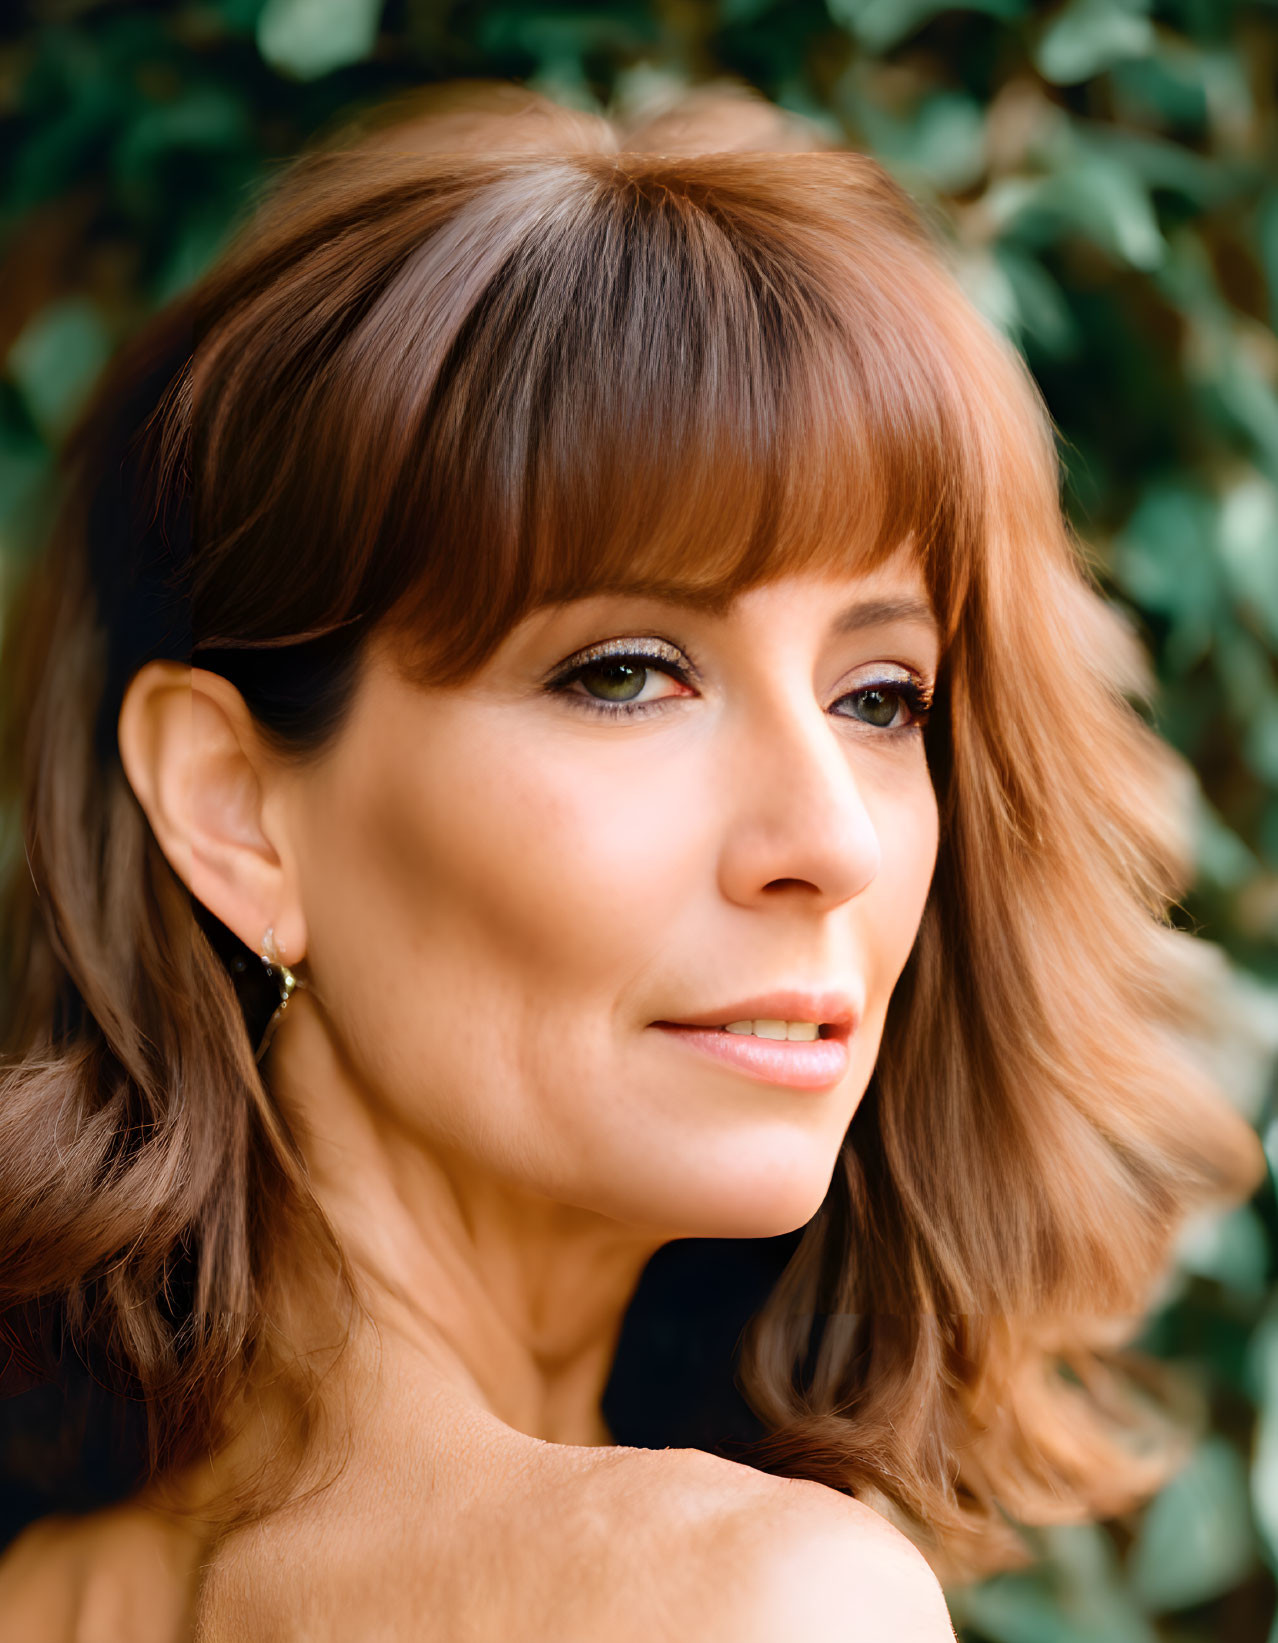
[801, 1063]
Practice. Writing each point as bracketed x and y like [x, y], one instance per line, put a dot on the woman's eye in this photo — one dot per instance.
[621, 683]
[882, 704]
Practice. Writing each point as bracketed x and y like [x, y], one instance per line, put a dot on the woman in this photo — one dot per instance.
[585, 622]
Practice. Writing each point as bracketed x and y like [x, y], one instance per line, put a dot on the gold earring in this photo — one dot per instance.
[284, 979]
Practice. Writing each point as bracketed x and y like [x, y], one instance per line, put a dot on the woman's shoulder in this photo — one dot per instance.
[772, 1559]
[120, 1575]
[564, 1545]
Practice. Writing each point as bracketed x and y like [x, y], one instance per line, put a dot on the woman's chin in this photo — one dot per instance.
[782, 1212]
[763, 1205]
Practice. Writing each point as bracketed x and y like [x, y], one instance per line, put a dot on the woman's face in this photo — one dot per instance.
[507, 885]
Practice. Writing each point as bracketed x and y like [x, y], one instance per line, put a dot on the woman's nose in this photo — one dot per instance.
[796, 822]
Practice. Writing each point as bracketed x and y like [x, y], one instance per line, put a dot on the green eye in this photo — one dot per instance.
[878, 706]
[621, 681]
[612, 684]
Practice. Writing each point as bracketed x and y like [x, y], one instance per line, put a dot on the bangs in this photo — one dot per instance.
[607, 374]
[672, 389]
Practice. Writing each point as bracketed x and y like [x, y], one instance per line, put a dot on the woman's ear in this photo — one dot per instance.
[213, 797]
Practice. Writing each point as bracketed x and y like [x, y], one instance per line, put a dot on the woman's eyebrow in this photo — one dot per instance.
[869, 613]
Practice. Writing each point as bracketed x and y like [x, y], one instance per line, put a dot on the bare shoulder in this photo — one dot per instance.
[35, 1599]
[774, 1560]
[827, 1567]
[121, 1575]
[575, 1545]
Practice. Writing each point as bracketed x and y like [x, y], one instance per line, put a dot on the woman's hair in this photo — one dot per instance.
[485, 354]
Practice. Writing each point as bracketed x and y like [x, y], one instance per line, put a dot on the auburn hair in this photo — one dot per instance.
[483, 353]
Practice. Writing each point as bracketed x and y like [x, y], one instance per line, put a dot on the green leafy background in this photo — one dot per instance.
[1107, 174]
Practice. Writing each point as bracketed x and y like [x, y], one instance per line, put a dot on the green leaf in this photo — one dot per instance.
[1164, 559]
[1157, 163]
[1196, 1539]
[943, 141]
[1243, 667]
[559, 42]
[1091, 35]
[1169, 85]
[1231, 1249]
[1249, 403]
[1040, 307]
[879, 25]
[1248, 540]
[986, 285]
[1096, 196]
[1267, 237]
[1112, 203]
[1090, 1586]
[55, 360]
[191, 251]
[1014, 1609]
[1224, 861]
[1227, 80]
[311, 38]
[1264, 1470]
[73, 108]
[1260, 740]
[1186, 278]
[203, 118]
[1076, 1595]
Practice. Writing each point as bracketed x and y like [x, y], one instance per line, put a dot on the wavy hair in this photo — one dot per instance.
[483, 354]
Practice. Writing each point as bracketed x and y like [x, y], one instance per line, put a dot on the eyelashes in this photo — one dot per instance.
[916, 696]
[876, 695]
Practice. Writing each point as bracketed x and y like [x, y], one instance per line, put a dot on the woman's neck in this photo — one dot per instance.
[509, 1300]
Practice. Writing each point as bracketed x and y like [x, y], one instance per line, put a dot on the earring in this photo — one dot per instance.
[284, 979]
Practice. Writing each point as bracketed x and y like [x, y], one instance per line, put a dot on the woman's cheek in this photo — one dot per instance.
[908, 836]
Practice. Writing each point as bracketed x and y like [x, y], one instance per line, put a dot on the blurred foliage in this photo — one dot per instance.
[1107, 174]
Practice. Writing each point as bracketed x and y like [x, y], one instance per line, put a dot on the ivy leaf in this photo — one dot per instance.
[1091, 35]
[1267, 234]
[55, 359]
[879, 25]
[1260, 740]
[1041, 309]
[1076, 1596]
[1225, 863]
[310, 38]
[1248, 542]
[1264, 1470]
[1164, 559]
[1231, 1249]
[942, 142]
[1196, 1540]
[1246, 399]
[1091, 194]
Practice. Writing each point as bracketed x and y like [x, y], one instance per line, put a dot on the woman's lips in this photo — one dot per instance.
[812, 1064]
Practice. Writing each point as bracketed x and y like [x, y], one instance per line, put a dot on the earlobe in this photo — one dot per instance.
[192, 755]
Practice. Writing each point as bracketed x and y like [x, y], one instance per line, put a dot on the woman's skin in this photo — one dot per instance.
[495, 893]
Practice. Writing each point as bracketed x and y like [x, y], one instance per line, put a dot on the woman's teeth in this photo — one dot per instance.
[792, 1030]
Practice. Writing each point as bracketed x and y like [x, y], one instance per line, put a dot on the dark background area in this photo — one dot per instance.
[1106, 175]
